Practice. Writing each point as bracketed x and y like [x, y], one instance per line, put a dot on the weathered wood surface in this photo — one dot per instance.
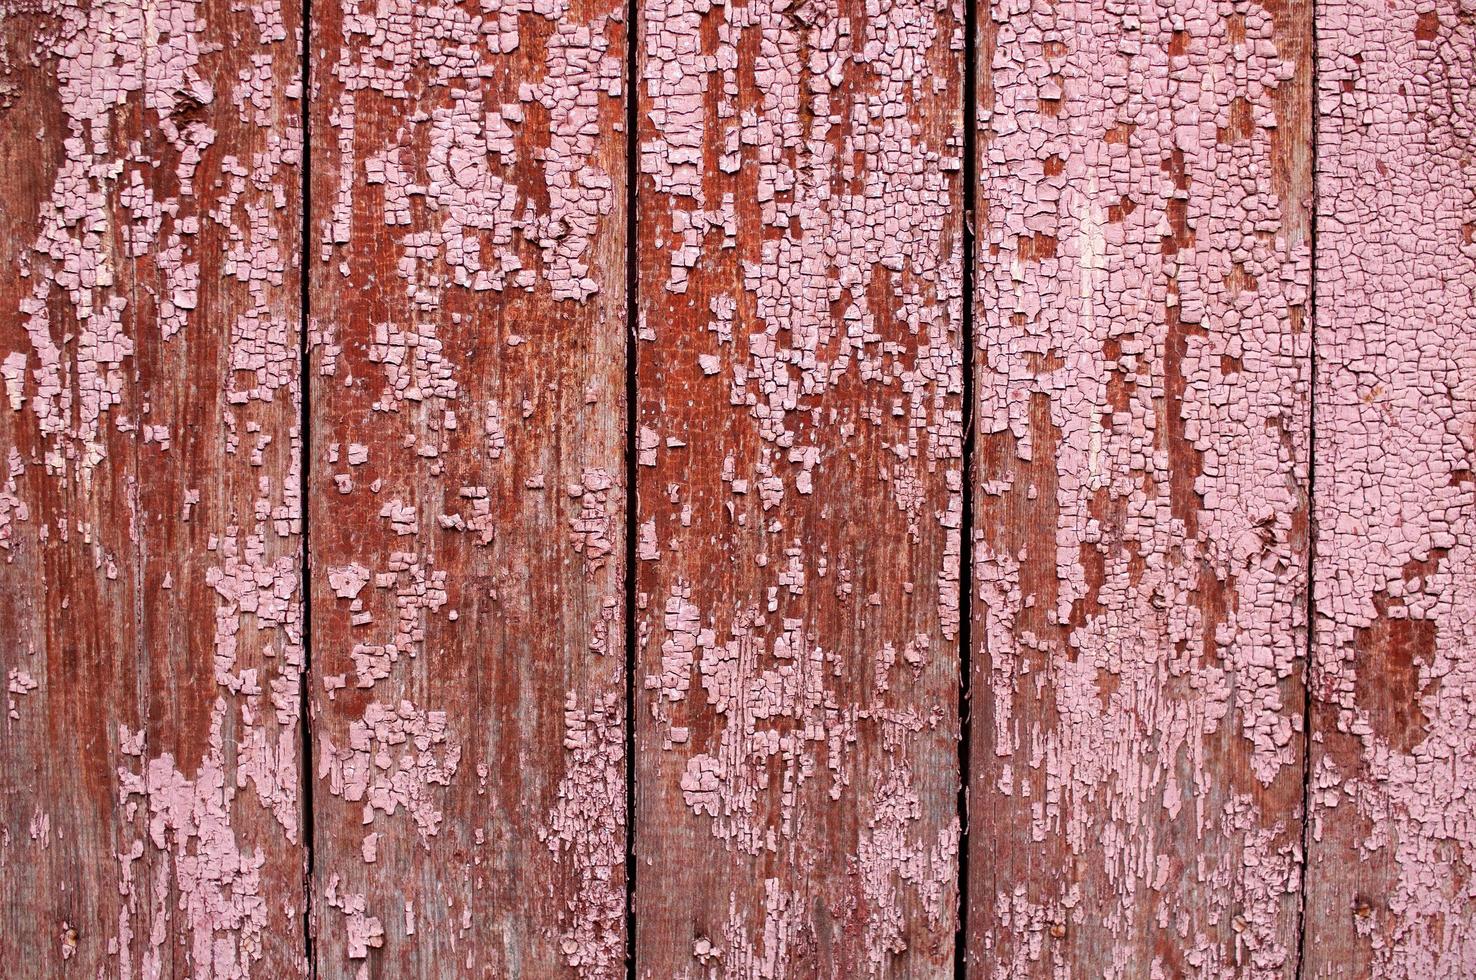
[150, 631]
[1392, 861]
[1140, 520]
[1203, 408]
[467, 536]
[799, 373]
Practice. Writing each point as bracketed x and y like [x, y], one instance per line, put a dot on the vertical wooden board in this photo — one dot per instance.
[799, 490]
[1392, 859]
[150, 633]
[467, 304]
[1140, 552]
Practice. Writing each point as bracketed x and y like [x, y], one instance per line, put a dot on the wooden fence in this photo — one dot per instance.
[738, 488]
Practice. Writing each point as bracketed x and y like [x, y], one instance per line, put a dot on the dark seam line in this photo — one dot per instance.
[305, 721]
[632, 314]
[1310, 613]
[966, 532]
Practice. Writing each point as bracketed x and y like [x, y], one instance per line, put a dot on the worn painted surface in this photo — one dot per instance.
[1392, 860]
[468, 389]
[1140, 534]
[150, 610]
[799, 493]
[1194, 422]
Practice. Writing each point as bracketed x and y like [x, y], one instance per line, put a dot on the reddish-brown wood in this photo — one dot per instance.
[1391, 875]
[468, 315]
[1140, 555]
[1146, 420]
[150, 632]
[799, 495]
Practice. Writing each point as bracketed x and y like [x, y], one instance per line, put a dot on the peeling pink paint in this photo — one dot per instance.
[1392, 866]
[394, 758]
[1140, 547]
[800, 372]
[470, 288]
[471, 141]
[213, 878]
[151, 344]
[586, 832]
[1141, 541]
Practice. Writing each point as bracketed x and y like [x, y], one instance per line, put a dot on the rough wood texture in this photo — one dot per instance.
[1151, 416]
[1140, 556]
[1392, 862]
[467, 300]
[150, 633]
[799, 493]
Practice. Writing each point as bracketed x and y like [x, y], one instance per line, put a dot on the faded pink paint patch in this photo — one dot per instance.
[1395, 784]
[1143, 380]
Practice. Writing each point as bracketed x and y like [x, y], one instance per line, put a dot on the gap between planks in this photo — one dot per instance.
[1310, 613]
[304, 470]
[966, 541]
[632, 338]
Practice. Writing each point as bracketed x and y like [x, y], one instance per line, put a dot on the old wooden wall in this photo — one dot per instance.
[779, 489]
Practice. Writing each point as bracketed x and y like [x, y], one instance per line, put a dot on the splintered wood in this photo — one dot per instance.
[794, 489]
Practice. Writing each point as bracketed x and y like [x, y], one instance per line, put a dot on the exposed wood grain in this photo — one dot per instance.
[799, 491]
[1392, 860]
[1147, 413]
[1140, 556]
[150, 629]
[467, 302]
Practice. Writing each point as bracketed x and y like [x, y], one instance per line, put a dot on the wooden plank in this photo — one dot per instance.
[799, 490]
[467, 305]
[1140, 558]
[1392, 861]
[150, 631]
